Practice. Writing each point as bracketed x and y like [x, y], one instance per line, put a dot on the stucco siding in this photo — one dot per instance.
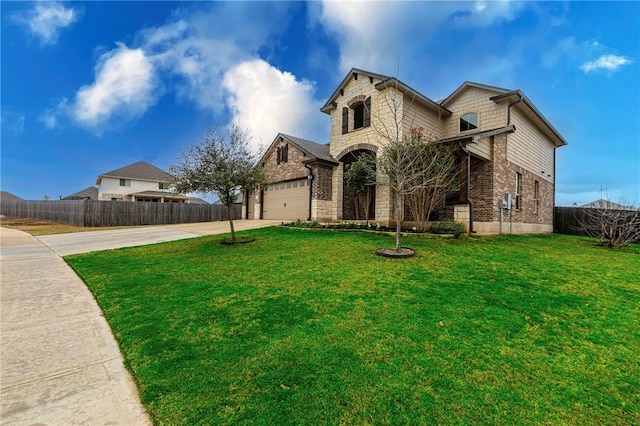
[529, 148]
[110, 188]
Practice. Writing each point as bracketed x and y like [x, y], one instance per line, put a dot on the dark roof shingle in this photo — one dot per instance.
[140, 171]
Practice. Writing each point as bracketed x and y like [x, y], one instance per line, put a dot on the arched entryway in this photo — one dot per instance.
[353, 207]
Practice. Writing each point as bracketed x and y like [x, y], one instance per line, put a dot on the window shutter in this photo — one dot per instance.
[285, 157]
[278, 155]
[345, 120]
[367, 112]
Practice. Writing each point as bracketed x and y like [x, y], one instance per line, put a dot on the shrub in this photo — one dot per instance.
[305, 224]
[447, 227]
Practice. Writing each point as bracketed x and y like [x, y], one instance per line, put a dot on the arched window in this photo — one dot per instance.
[469, 121]
[360, 114]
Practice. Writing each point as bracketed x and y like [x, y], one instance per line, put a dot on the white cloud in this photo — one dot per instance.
[379, 37]
[50, 118]
[267, 101]
[123, 89]
[46, 20]
[200, 45]
[605, 62]
[12, 121]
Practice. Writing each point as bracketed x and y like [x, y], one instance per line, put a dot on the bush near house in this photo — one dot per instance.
[305, 327]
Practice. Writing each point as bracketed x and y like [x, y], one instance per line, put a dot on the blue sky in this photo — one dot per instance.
[88, 87]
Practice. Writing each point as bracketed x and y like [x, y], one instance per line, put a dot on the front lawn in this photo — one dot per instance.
[309, 327]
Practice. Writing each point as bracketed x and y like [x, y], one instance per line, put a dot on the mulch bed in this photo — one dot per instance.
[393, 253]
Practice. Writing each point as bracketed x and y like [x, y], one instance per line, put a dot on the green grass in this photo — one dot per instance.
[309, 327]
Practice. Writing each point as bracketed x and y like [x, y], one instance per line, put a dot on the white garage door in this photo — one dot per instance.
[287, 201]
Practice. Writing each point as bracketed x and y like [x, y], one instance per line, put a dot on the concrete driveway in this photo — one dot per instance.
[59, 362]
[84, 242]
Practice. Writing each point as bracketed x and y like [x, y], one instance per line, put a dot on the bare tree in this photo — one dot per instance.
[219, 163]
[439, 164]
[360, 176]
[614, 224]
[411, 165]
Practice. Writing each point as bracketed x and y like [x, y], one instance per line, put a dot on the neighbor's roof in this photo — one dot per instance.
[7, 196]
[160, 194]
[196, 200]
[139, 171]
[90, 193]
[239, 199]
[606, 204]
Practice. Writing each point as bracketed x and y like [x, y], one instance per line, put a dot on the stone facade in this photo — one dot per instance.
[510, 139]
[293, 168]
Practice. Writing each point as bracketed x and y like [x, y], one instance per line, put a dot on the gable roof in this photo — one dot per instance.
[329, 105]
[138, 171]
[7, 196]
[606, 204]
[314, 150]
[386, 82]
[466, 84]
[90, 193]
[542, 121]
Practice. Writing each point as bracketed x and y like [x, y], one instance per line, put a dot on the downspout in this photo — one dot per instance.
[509, 108]
[468, 190]
[310, 178]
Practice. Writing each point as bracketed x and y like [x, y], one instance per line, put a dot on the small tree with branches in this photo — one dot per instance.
[220, 163]
[411, 164]
[439, 164]
[613, 224]
[360, 176]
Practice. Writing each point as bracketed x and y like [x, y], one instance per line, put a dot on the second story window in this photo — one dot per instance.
[469, 121]
[282, 154]
[357, 116]
[125, 182]
[163, 185]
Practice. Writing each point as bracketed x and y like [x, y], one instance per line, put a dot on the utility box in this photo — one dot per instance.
[506, 202]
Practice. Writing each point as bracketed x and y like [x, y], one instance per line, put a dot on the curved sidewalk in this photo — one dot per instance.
[59, 362]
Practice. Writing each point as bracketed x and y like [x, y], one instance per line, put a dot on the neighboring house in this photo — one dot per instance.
[506, 147]
[196, 200]
[90, 193]
[7, 196]
[141, 181]
[606, 204]
[239, 200]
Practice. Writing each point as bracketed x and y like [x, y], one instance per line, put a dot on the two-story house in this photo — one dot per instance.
[506, 147]
[140, 181]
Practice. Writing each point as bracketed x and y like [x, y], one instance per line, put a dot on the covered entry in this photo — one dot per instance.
[287, 200]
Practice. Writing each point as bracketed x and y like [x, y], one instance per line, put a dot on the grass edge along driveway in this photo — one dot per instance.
[308, 327]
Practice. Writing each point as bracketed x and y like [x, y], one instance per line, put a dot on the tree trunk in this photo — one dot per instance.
[357, 207]
[398, 222]
[230, 214]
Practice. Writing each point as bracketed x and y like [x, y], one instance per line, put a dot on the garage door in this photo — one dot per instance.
[287, 201]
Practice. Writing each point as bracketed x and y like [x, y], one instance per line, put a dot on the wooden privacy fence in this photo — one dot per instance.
[116, 213]
[566, 220]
